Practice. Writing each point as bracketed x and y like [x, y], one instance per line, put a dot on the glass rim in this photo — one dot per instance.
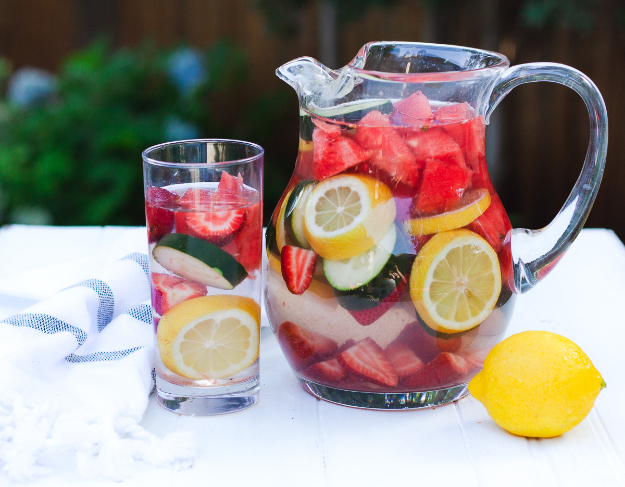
[501, 62]
[192, 165]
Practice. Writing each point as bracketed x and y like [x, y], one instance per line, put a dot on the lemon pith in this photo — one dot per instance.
[210, 337]
[473, 206]
[537, 384]
[455, 281]
[347, 214]
[280, 229]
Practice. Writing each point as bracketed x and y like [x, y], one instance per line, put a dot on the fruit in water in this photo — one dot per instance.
[334, 153]
[444, 370]
[435, 145]
[537, 384]
[369, 315]
[347, 214]
[168, 291]
[457, 112]
[303, 346]
[388, 150]
[403, 359]
[298, 266]
[442, 187]
[416, 106]
[199, 261]
[210, 337]
[493, 225]
[326, 371]
[471, 206]
[455, 281]
[366, 359]
[159, 218]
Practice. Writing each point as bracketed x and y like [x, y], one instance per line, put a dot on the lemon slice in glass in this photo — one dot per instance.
[347, 214]
[455, 281]
[471, 206]
[210, 337]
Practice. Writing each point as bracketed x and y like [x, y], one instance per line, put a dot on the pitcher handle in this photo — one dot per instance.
[535, 252]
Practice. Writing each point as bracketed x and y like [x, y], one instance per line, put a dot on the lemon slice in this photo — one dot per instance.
[210, 337]
[471, 206]
[280, 229]
[455, 281]
[347, 214]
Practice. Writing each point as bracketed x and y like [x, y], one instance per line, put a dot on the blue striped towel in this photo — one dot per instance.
[76, 373]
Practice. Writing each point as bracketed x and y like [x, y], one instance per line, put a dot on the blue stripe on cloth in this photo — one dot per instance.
[107, 301]
[46, 324]
[101, 356]
[141, 312]
[141, 259]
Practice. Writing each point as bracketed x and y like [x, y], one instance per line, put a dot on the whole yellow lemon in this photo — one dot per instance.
[537, 384]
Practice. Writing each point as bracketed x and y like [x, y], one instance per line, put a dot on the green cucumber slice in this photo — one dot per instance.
[354, 111]
[380, 287]
[199, 261]
[348, 274]
[294, 214]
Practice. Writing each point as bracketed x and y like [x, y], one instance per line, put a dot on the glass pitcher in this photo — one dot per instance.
[393, 267]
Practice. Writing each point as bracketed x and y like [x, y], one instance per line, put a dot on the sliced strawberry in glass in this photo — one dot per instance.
[158, 213]
[302, 347]
[367, 360]
[168, 291]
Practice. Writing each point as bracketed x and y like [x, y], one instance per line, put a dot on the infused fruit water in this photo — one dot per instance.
[389, 257]
[205, 257]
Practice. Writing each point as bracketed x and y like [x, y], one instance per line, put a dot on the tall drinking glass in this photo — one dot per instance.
[203, 204]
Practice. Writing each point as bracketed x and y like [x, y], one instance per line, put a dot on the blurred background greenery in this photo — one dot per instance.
[86, 85]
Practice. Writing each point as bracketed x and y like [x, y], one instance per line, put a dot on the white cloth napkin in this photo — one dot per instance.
[76, 373]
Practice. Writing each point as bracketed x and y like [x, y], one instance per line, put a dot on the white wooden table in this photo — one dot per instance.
[291, 439]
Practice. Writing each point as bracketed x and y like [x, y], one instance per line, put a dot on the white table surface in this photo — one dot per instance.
[292, 439]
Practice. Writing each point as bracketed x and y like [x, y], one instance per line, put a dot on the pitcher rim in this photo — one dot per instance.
[503, 62]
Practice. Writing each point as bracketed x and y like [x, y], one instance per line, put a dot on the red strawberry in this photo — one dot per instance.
[168, 291]
[446, 369]
[159, 218]
[403, 359]
[441, 188]
[388, 150]
[367, 360]
[298, 266]
[474, 363]
[333, 154]
[212, 216]
[302, 347]
[327, 371]
[367, 316]
[416, 106]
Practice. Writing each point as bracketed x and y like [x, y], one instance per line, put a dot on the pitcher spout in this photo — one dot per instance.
[314, 82]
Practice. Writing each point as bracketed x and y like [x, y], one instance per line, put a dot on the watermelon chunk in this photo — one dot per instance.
[388, 150]
[493, 225]
[435, 144]
[442, 186]
[416, 106]
[471, 137]
[334, 153]
[458, 112]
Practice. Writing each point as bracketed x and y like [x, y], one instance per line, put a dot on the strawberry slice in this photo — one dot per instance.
[367, 359]
[403, 359]
[168, 291]
[327, 371]
[158, 213]
[212, 216]
[334, 153]
[367, 316]
[302, 347]
[445, 370]
[298, 266]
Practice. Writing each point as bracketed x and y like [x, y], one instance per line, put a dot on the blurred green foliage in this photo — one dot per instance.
[76, 158]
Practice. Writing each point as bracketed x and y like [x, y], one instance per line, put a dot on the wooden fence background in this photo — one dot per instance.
[543, 127]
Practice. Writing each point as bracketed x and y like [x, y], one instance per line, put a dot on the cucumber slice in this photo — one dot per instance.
[348, 274]
[354, 111]
[306, 126]
[380, 287]
[294, 214]
[199, 261]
